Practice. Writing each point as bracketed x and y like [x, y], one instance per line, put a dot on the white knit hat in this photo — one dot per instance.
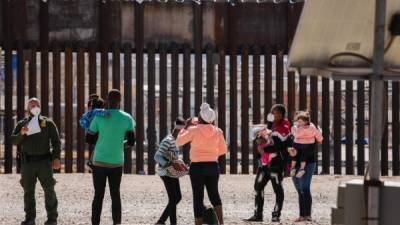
[256, 130]
[207, 113]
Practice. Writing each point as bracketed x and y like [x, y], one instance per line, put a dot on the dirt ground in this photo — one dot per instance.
[143, 199]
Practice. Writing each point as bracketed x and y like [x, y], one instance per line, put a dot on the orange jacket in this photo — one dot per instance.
[207, 142]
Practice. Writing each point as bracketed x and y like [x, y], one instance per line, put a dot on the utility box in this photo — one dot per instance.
[352, 195]
[337, 215]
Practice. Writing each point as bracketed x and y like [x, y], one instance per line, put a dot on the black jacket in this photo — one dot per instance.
[277, 164]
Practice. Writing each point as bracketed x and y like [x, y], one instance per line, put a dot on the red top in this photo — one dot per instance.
[281, 129]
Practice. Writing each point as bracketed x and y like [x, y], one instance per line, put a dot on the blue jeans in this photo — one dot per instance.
[302, 186]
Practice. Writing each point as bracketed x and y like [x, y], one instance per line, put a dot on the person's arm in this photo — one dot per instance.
[130, 138]
[318, 134]
[294, 130]
[160, 157]
[55, 140]
[91, 138]
[278, 145]
[130, 133]
[91, 135]
[221, 144]
[16, 137]
[184, 137]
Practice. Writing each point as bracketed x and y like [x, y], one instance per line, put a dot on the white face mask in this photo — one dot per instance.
[35, 111]
[270, 117]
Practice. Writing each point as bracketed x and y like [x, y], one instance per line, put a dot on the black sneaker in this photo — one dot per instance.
[28, 222]
[50, 222]
[255, 218]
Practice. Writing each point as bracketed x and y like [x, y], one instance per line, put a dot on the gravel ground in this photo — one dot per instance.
[143, 199]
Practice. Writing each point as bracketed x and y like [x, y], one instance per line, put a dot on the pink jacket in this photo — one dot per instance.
[307, 134]
[207, 142]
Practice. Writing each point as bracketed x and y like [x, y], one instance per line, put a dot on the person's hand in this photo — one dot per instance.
[179, 167]
[56, 164]
[24, 130]
[189, 122]
[176, 166]
[292, 152]
[265, 133]
[185, 167]
[260, 150]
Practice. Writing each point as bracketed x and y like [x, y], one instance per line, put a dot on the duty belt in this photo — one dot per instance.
[36, 158]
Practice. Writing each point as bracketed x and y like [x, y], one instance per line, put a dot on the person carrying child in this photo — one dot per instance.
[170, 168]
[274, 171]
[305, 135]
[110, 134]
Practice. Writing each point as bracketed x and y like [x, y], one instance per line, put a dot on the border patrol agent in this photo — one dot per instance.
[37, 135]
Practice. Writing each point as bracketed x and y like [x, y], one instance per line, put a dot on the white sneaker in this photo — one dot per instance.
[292, 172]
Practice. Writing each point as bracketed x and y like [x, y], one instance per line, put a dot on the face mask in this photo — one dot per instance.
[35, 111]
[270, 117]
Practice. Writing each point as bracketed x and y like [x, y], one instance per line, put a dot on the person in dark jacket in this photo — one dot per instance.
[274, 171]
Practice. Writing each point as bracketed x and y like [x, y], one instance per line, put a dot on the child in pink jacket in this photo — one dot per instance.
[263, 138]
[305, 135]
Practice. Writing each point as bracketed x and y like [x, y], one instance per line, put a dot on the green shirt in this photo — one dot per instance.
[39, 143]
[112, 130]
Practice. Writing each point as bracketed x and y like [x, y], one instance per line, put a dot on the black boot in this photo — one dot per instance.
[51, 222]
[28, 222]
[276, 219]
[257, 217]
[276, 216]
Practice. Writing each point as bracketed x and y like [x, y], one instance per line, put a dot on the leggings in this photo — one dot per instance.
[100, 177]
[174, 197]
[204, 174]
[264, 175]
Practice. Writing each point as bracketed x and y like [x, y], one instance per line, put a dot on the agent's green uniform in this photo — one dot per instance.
[36, 164]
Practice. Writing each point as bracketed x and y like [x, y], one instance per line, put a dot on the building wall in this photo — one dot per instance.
[114, 21]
